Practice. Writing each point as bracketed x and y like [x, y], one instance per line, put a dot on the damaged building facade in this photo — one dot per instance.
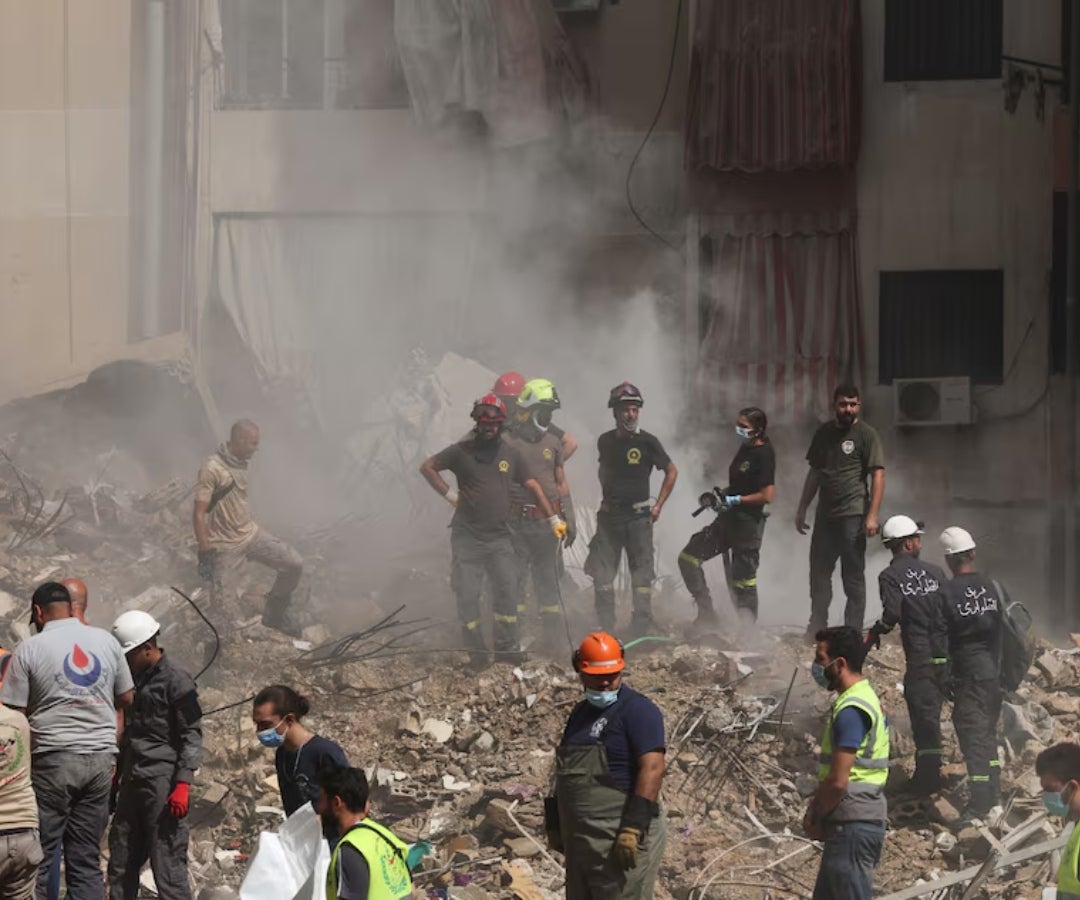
[275, 193]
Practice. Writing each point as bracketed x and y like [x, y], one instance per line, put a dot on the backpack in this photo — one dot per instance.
[1017, 641]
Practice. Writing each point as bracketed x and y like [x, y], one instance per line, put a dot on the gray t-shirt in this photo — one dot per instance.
[67, 679]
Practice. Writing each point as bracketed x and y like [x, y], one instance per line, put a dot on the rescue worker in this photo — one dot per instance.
[842, 454]
[1058, 768]
[848, 811]
[605, 816]
[20, 848]
[626, 516]
[973, 608]
[912, 594]
[536, 547]
[226, 534]
[739, 524]
[160, 751]
[299, 754]
[69, 679]
[508, 388]
[369, 861]
[485, 466]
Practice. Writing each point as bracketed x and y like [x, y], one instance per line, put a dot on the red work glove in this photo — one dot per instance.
[178, 800]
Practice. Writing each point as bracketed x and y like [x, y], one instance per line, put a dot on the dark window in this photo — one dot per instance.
[941, 323]
[310, 54]
[942, 40]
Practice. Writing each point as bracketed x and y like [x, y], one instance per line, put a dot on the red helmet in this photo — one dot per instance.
[599, 654]
[509, 385]
[489, 408]
[625, 393]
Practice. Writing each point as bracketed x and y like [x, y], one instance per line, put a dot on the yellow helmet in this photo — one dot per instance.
[539, 392]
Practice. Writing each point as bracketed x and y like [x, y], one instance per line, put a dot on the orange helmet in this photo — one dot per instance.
[599, 654]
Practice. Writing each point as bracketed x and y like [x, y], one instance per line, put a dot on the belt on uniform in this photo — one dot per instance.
[619, 506]
[533, 513]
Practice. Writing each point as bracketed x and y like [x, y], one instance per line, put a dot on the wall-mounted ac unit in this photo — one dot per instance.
[932, 401]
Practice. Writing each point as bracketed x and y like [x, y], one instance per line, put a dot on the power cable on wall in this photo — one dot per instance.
[648, 134]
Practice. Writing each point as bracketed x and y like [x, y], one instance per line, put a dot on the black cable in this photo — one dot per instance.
[229, 706]
[210, 625]
[648, 134]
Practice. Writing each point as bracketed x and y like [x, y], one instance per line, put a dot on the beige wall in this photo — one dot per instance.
[64, 112]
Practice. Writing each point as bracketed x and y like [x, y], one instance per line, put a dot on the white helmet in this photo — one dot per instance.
[134, 628]
[955, 539]
[899, 527]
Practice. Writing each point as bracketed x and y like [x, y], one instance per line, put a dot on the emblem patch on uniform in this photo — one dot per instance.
[598, 727]
[848, 447]
[548, 454]
[744, 466]
[633, 456]
[504, 466]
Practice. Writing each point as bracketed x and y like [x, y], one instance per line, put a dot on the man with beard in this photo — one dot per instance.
[841, 456]
[480, 543]
[226, 534]
[912, 595]
[369, 861]
[626, 516]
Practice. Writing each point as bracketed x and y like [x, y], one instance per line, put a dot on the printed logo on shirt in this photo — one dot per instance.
[12, 753]
[633, 456]
[81, 668]
[744, 466]
[504, 466]
[598, 728]
[548, 454]
[848, 447]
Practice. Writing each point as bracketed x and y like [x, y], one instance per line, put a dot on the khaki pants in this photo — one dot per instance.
[271, 552]
[20, 857]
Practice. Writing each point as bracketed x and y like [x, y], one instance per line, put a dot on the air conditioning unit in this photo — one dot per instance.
[932, 401]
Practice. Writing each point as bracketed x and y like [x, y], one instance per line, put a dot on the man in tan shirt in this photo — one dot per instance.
[226, 534]
[20, 849]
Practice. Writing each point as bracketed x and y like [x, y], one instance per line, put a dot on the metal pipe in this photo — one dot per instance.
[153, 162]
[1072, 363]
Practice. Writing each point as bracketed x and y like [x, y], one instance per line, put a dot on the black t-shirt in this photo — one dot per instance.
[298, 772]
[483, 481]
[631, 727]
[752, 469]
[973, 613]
[626, 463]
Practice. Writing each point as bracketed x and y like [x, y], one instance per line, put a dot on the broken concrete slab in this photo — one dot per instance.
[438, 729]
[521, 847]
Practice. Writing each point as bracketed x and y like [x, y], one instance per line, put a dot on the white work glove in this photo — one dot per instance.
[558, 527]
[451, 497]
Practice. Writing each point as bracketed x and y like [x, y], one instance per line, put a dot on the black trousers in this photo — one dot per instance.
[924, 693]
[475, 555]
[615, 533]
[841, 539]
[976, 711]
[741, 534]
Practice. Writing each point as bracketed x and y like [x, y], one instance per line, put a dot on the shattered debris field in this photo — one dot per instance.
[462, 758]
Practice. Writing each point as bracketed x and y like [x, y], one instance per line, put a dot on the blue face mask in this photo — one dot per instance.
[270, 737]
[818, 672]
[745, 435]
[601, 699]
[1055, 805]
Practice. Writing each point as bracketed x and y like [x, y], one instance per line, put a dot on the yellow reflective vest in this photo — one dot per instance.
[1067, 882]
[871, 768]
[385, 854]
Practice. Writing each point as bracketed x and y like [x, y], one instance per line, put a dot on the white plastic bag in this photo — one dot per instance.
[292, 864]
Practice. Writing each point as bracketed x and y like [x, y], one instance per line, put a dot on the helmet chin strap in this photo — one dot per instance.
[535, 419]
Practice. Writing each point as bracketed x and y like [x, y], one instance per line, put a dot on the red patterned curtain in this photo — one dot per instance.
[780, 320]
[774, 85]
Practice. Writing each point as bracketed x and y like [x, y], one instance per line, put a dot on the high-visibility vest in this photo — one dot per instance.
[385, 854]
[1067, 882]
[871, 768]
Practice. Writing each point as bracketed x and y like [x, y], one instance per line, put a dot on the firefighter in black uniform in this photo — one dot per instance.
[739, 525]
[911, 595]
[627, 458]
[973, 608]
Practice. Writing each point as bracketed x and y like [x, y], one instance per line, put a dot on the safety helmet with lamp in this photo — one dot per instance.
[599, 654]
[897, 528]
[489, 408]
[955, 539]
[134, 628]
[509, 385]
[625, 393]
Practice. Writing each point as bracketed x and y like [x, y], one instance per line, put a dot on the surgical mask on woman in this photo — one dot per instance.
[271, 737]
[745, 435]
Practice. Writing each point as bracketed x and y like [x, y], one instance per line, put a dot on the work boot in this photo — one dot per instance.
[927, 777]
[509, 653]
[706, 616]
[605, 616]
[642, 625]
[279, 616]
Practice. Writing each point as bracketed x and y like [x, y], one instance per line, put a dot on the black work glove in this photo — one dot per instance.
[873, 636]
[552, 825]
[206, 564]
[114, 792]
